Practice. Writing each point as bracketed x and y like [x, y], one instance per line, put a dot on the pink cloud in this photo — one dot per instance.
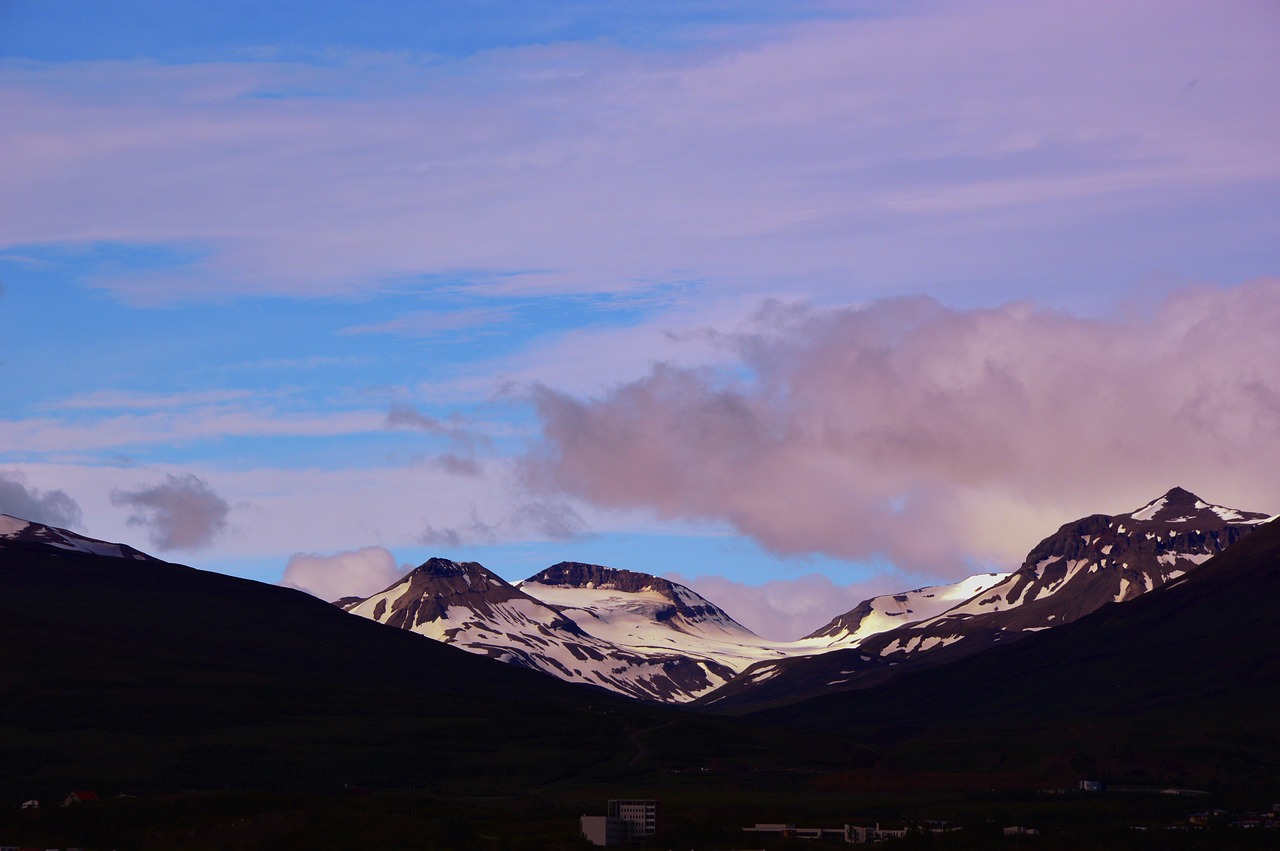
[176, 426]
[785, 609]
[816, 155]
[939, 438]
[346, 574]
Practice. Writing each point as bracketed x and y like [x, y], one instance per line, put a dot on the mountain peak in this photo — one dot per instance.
[608, 590]
[1180, 495]
[443, 567]
[14, 531]
[1179, 505]
[575, 574]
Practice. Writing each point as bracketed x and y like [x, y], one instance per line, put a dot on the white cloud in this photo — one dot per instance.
[785, 609]
[353, 573]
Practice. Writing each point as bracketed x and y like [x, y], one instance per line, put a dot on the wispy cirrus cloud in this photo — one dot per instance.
[48, 434]
[427, 323]
[134, 401]
[522, 519]
[813, 155]
[936, 437]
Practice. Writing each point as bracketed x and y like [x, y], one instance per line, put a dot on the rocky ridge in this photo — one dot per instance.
[1087, 564]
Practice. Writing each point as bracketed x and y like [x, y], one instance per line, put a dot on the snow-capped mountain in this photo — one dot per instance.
[630, 632]
[1085, 565]
[626, 650]
[890, 611]
[654, 639]
[625, 606]
[1096, 560]
[23, 533]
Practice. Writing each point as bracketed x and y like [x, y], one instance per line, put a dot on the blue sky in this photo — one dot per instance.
[801, 302]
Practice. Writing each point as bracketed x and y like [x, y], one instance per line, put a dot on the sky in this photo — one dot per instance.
[793, 303]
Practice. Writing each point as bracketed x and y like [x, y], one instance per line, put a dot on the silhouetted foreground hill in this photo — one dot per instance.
[139, 674]
[1179, 685]
[125, 673]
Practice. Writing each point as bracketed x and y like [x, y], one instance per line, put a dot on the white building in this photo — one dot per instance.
[628, 820]
[641, 816]
[605, 830]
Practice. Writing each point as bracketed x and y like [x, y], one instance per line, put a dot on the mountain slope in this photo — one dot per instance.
[1085, 565]
[629, 632]
[124, 671]
[1179, 685]
[131, 673]
[890, 611]
[469, 606]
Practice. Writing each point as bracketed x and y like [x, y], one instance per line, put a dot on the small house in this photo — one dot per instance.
[80, 796]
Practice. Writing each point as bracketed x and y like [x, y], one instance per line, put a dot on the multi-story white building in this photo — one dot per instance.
[629, 820]
[640, 815]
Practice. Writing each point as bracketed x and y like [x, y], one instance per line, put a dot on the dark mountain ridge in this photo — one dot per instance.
[1178, 686]
[1085, 565]
[131, 672]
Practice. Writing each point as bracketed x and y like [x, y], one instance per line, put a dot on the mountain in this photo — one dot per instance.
[649, 638]
[1176, 687]
[628, 605]
[236, 714]
[629, 632]
[17, 535]
[890, 611]
[1085, 565]
[588, 624]
[122, 671]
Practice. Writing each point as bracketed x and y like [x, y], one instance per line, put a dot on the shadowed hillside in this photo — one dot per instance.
[1179, 685]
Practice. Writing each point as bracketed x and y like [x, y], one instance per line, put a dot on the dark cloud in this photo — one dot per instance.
[476, 531]
[939, 438]
[181, 513]
[433, 537]
[552, 519]
[52, 508]
[460, 460]
[456, 465]
[406, 416]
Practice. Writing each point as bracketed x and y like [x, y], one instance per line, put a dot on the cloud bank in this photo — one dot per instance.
[785, 609]
[52, 508]
[346, 574]
[938, 438]
[181, 513]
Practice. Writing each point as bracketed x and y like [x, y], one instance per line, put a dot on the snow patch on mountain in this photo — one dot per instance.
[891, 611]
[10, 526]
[1086, 564]
[17, 530]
